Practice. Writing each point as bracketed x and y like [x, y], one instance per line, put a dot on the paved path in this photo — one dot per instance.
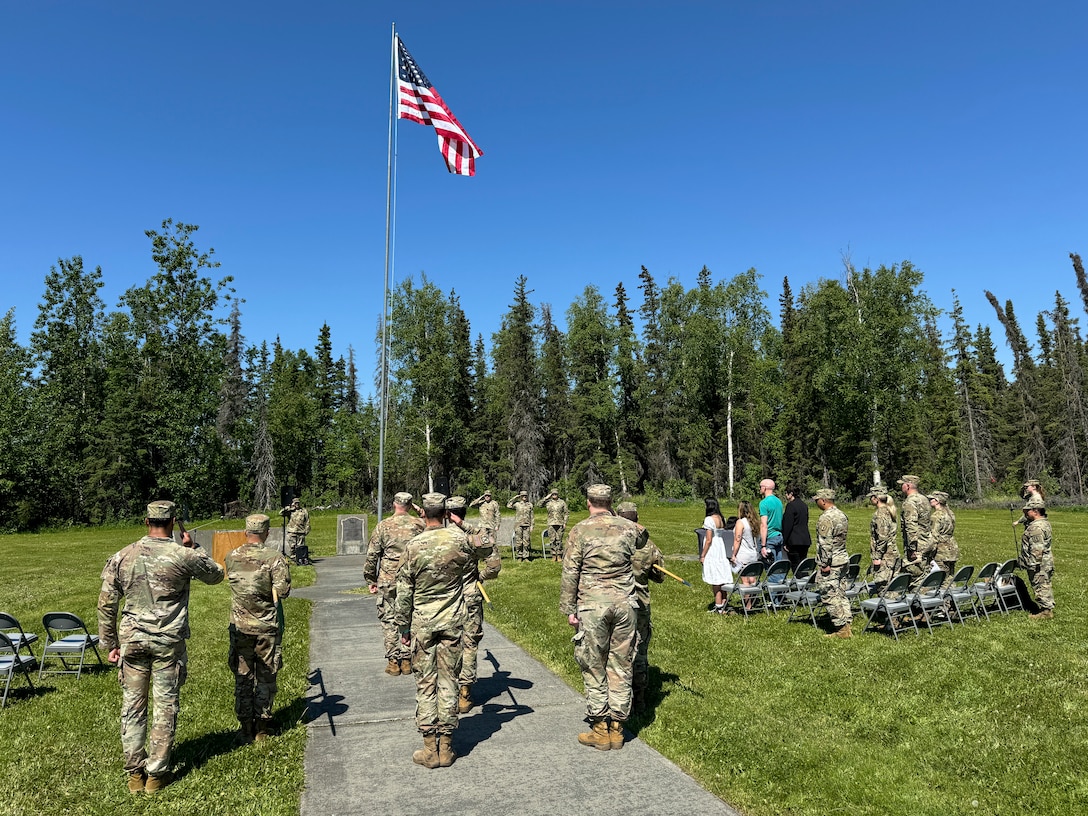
[518, 753]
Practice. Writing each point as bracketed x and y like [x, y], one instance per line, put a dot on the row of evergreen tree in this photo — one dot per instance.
[692, 391]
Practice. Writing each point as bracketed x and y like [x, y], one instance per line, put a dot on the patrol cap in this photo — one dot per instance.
[600, 492]
[879, 492]
[296, 503]
[939, 496]
[434, 501]
[457, 504]
[161, 510]
[523, 492]
[257, 523]
[626, 507]
[403, 498]
[554, 493]
[1032, 483]
[909, 478]
[1035, 503]
[825, 493]
[487, 492]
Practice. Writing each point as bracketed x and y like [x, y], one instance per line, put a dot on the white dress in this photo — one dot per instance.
[716, 568]
[747, 553]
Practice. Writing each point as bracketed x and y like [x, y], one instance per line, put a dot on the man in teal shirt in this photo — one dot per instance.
[770, 522]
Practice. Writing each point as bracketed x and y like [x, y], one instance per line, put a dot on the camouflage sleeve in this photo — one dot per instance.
[492, 565]
[109, 599]
[402, 611]
[824, 533]
[203, 567]
[572, 571]
[910, 524]
[566, 514]
[656, 560]
[305, 522]
[281, 577]
[510, 504]
[373, 554]
[476, 502]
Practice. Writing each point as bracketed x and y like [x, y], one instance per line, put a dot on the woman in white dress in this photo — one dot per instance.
[715, 557]
[745, 549]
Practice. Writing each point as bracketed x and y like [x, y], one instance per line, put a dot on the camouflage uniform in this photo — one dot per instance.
[918, 544]
[383, 559]
[298, 527]
[153, 576]
[557, 522]
[523, 525]
[882, 546]
[598, 586]
[943, 524]
[489, 517]
[474, 600]
[430, 605]
[257, 574]
[646, 557]
[1036, 557]
[831, 553]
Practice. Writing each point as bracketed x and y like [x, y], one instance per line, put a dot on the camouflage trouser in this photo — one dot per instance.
[555, 539]
[522, 544]
[255, 660]
[640, 676]
[471, 636]
[436, 662]
[918, 570]
[950, 571]
[386, 602]
[604, 650]
[1041, 577]
[163, 667]
[833, 596]
[292, 542]
[882, 574]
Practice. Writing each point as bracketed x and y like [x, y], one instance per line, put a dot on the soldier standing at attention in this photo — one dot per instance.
[557, 522]
[489, 517]
[383, 557]
[431, 616]
[523, 524]
[882, 547]
[1030, 488]
[597, 594]
[298, 527]
[1037, 558]
[474, 601]
[647, 556]
[943, 524]
[259, 578]
[153, 576]
[832, 558]
[917, 537]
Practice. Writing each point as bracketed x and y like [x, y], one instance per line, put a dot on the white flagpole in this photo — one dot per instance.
[384, 376]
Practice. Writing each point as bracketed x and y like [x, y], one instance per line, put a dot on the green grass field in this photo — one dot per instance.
[775, 719]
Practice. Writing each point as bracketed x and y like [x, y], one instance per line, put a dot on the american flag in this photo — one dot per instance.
[418, 100]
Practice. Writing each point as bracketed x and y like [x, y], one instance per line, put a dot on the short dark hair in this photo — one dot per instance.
[434, 512]
[794, 490]
[630, 515]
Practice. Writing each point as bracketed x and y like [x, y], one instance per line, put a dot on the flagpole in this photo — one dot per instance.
[384, 377]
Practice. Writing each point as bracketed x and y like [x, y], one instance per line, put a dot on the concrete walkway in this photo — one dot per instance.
[518, 752]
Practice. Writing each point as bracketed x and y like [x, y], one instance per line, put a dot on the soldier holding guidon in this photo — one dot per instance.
[153, 576]
[647, 557]
[298, 527]
[259, 578]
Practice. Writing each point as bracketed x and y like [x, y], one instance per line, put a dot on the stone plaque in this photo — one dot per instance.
[351, 534]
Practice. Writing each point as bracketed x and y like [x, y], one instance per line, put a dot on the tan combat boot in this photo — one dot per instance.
[263, 729]
[597, 737]
[136, 782]
[1043, 614]
[446, 754]
[843, 632]
[427, 756]
[464, 702]
[392, 668]
[155, 784]
[615, 735]
[405, 666]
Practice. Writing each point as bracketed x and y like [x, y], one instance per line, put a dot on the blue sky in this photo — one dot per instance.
[774, 135]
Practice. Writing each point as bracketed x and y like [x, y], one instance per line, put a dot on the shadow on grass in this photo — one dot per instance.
[659, 685]
[195, 752]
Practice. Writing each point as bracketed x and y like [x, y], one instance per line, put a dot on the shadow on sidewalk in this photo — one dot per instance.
[489, 717]
[322, 704]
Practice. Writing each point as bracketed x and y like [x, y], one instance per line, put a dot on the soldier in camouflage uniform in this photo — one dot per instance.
[943, 525]
[597, 594]
[557, 523]
[474, 601]
[259, 579]
[832, 558]
[523, 525]
[298, 527]
[918, 546]
[1037, 558]
[430, 613]
[153, 577]
[647, 556]
[882, 529]
[489, 518]
[383, 557]
[1030, 488]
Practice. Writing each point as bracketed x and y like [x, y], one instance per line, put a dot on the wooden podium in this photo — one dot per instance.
[223, 541]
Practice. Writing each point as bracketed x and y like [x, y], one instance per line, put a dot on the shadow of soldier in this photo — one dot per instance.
[482, 723]
[500, 682]
[321, 704]
[659, 686]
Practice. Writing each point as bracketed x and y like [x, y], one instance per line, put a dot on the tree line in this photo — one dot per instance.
[676, 392]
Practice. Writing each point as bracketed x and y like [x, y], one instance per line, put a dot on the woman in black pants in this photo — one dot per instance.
[795, 534]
